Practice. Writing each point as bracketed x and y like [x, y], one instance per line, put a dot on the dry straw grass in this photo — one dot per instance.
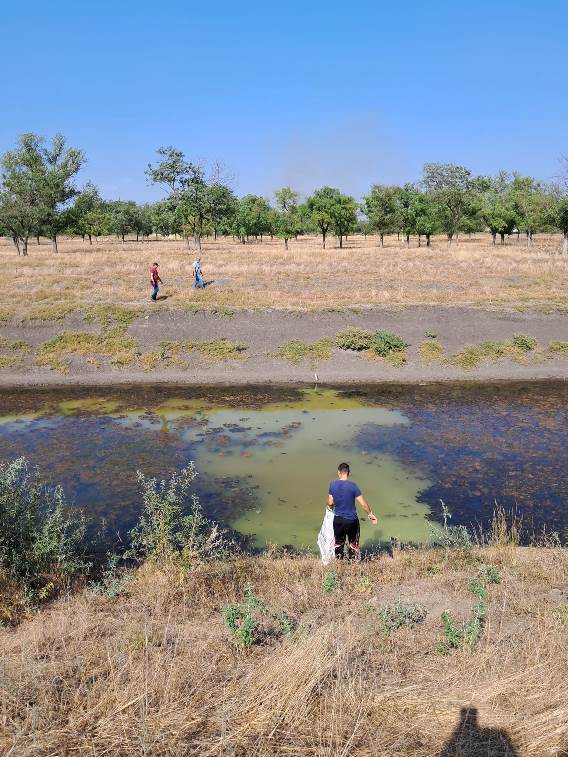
[304, 277]
[155, 672]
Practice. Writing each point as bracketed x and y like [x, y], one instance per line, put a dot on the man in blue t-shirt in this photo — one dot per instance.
[342, 496]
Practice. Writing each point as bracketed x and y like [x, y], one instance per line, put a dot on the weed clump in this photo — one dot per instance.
[111, 343]
[354, 338]
[111, 314]
[385, 343]
[431, 351]
[466, 635]
[244, 620]
[295, 351]
[524, 343]
[212, 349]
[330, 582]
[399, 614]
[558, 348]
[50, 312]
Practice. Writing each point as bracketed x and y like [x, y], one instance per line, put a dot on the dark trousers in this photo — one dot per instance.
[344, 528]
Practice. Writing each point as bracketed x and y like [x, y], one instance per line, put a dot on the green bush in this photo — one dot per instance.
[524, 343]
[39, 538]
[354, 338]
[401, 614]
[166, 531]
[385, 343]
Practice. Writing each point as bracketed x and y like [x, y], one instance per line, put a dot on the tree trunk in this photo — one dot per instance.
[450, 237]
[494, 237]
[340, 241]
[428, 240]
[285, 244]
[518, 235]
[25, 246]
[16, 242]
[122, 235]
[420, 240]
[156, 233]
[215, 234]
[565, 242]
[502, 237]
[54, 243]
[382, 238]
[90, 239]
[187, 242]
[37, 238]
[243, 240]
[398, 235]
[408, 240]
[323, 234]
[137, 235]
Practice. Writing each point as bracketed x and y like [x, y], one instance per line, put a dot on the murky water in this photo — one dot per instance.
[266, 455]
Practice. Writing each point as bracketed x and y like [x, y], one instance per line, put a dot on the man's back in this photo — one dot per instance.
[344, 493]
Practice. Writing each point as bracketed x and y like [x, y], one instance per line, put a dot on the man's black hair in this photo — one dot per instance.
[343, 468]
[155, 264]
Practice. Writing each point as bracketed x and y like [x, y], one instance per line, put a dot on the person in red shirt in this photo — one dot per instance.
[154, 281]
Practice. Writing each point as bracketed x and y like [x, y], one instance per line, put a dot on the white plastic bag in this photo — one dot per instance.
[326, 538]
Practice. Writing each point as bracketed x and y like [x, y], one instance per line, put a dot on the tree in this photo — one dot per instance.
[163, 217]
[287, 220]
[193, 205]
[122, 217]
[36, 183]
[343, 216]
[530, 203]
[222, 206]
[407, 200]
[324, 206]
[425, 217]
[171, 171]
[86, 202]
[497, 207]
[451, 188]
[252, 217]
[380, 207]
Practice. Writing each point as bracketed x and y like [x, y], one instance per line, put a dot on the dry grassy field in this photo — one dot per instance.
[265, 275]
[154, 671]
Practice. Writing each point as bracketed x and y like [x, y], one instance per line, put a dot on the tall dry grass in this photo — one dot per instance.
[154, 672]
[306, 276]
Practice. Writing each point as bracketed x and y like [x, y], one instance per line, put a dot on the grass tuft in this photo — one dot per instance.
[295, 351]
[113, 344]
[558, 348]
[212, 349]
[111, 314]
[50, 312]
[431, 351]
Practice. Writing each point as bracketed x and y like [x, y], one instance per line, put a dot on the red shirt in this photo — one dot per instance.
[154, 275]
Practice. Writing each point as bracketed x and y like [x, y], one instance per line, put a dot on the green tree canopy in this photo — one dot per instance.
[381, 208]
[36, 184]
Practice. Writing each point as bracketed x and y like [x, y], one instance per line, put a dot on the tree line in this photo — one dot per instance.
[39, 197]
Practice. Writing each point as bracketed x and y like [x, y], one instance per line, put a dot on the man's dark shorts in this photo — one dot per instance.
[343, 528]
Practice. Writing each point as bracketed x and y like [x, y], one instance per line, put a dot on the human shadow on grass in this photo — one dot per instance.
[469, 739]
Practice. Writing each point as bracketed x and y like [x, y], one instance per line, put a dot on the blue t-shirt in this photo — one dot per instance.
[344, 494]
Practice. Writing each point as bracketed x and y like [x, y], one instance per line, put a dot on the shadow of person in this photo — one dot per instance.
[162, 297]
[470, 740]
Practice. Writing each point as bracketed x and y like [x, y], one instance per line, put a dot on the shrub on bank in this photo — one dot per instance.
[41, 542]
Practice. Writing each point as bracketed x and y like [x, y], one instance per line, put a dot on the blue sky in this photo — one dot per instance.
[300, 93]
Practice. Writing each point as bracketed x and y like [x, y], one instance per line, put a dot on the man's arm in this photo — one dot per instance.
[330, 501]
[362, 502]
